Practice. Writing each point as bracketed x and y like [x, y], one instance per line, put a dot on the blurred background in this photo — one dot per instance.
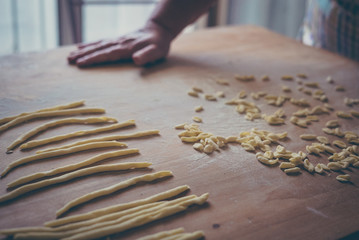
[36, 25]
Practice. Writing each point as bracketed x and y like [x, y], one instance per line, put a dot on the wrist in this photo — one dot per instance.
[161, 29]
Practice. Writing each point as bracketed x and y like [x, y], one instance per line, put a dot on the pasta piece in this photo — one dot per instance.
[332, 124]
[192, 93]
[197, 89]
[180, 126]
[334, 166]
[114, 227]
[302, 75]
[308, 165]
[340, 88]
[210, 97]
[37, 143]
[285, 165]
[323, 139]
[124, 215]
[105, 191]
[330, 79]
[74, 228]
[354, 113]
[265, 78]
[343, 178]
[67, 177]
[57, 123]
[220, 94]
[162, 234]
[308, 137]
[60, 107]
[244, 78]
[121, 224]
[186, 236]
[55, 113]
[339, 144]
[197, 119]
[119, 207]
[222, 82]
[345, 115]
[292, 170]
[59, 152]
[312, 84]
[287, 78]
[71, 167]
[106, 138]
[198, 109]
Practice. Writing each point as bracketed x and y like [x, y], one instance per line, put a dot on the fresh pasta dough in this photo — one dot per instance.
[57, 153]
[57, 123]
[105, 191]
[107, 138]
[119, 207]
[37, 143]
[69, 176]
[60, 107]
[54, 113]
[72, 167]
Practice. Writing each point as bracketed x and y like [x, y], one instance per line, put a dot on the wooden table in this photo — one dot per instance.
[248, 200]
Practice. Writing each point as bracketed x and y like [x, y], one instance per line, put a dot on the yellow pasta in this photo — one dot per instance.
[56, 123]
[37, 143]
[112, 227]
[162, 234]
[106, 138]
[59, 152]
[66, 177]
[124, 215]
[55, 113]
[124, 219]
[119, 207]
[60, 107]
[105, 191]
[71, 167]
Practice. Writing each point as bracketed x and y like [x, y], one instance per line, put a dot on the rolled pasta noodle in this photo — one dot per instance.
[105, 191]
[76, 228]
[57, 123]
[60, 107]
[36, 143]
[119, 207]
[162, 234]
[120, 224]
[124, 215]
[185, 236]
[55, 113]
[72, 167]
[111, 227]
[106, 138]
[57, 153]
[69, 176]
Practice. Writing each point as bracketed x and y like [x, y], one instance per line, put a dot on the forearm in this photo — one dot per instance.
[175, 15]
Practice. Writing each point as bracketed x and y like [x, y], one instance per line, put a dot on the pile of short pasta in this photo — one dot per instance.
[342, 154]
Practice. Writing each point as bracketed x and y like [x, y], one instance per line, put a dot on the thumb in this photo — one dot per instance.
[148, 54]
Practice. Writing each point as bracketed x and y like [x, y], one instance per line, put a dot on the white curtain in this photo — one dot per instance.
[282, 16]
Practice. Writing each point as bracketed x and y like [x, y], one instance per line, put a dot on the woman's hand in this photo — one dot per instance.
[143, 46]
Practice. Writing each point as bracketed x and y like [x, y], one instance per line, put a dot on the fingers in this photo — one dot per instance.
[83, 45]
[75, 55]
[148, 54]
[109, 54]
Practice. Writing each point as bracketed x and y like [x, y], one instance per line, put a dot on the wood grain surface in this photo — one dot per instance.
[247, 199]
